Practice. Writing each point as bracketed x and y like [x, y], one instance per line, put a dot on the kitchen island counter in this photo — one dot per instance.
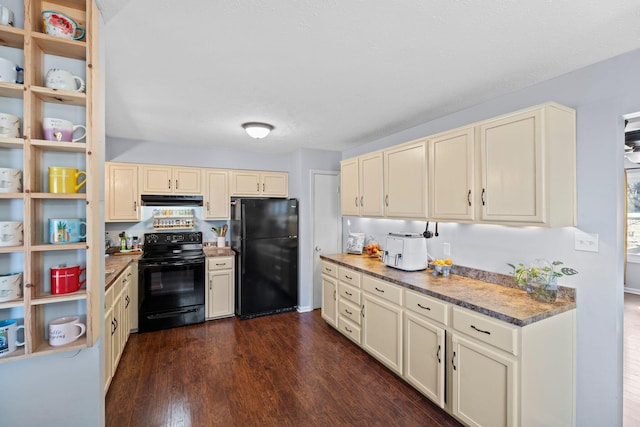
[511, 305]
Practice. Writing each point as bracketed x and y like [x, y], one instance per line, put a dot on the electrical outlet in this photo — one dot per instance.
[586, 241]
[446, 248]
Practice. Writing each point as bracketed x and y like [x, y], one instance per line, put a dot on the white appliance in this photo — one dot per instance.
[406, 251]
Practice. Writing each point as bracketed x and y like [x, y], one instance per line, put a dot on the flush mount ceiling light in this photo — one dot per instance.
[257, 130]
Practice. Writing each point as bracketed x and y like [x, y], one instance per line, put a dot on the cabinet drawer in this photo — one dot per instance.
[428, 307]
[350, 293]
[349, 310]
[349, 329]
[330, 269]
[220, 263]
[384, 290]
[483, 328]
[349, 276]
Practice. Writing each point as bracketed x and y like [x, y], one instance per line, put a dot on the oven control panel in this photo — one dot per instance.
[172, 238]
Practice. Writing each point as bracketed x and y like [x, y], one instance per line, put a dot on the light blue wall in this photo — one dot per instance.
[602, 94]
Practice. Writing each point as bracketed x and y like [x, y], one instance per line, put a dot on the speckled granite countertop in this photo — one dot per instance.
[116, 264]
[501, 302]
[212, 251]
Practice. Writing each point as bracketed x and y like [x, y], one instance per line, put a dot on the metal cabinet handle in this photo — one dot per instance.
[334, 295]
[348, 312]
[379, 290]
[263, 187]
[207, 206]
[386, 200]
[438, 353]
[258, 186]
[177, 184]
[356, 201]
[348, 277]
[210, 283]
[113, 327]
[480, 330]
[128, 301]
[361, 200]
[482, 197]
[348, 293]
[135, 206]
[362, 311]
[453, 361]
[169, 184]
[116, 320]
[348, 330]
[423, 307]
[469, 197]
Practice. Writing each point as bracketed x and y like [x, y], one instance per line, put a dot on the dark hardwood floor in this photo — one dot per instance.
[631, 411]
[289, 369]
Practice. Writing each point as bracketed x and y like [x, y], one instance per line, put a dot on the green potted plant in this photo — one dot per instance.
[540, 279]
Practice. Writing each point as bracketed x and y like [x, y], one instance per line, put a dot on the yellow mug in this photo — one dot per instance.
[65, 180]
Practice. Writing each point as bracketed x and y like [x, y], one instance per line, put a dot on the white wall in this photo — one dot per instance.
[601, 94]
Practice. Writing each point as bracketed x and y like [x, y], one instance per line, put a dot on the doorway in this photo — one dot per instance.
[325, 199]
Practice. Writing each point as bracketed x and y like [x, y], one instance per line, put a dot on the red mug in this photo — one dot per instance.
[65, 280]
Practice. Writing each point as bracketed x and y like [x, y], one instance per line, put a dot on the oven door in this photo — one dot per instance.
[165, 286]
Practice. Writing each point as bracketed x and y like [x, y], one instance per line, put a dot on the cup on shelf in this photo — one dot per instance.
[65, 330]
[9, 126]
[6, 16]
[63, 80]
[10, 180]
[11, 233]
[65, 280]
[9, 71]
[9, 336]
[10, 286]
[67, 230]
[65, 180]
[61, 130]
[60, 25]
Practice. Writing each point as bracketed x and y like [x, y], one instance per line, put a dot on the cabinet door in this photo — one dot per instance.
[371, 184]
[126, 315]
[484, 385]
[116, 340]
[245, 183]
[405, 181]
[275, 184]
[157, 179]
[424, 354]
[382, 331]
[108, 338]
[512, 169]
[216, 196]
[122, 196]
[329, 300]
[349, 194]
[220, 301]
[452, 176]
[133, 297]
[187, 181]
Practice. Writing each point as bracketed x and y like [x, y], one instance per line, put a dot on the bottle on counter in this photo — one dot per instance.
[123, 241]
[129, 241]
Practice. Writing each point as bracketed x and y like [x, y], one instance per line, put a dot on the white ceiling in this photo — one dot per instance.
[340, 73]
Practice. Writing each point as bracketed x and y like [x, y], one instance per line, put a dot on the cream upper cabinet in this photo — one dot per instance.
[528, 167]
[452, 176]
[405, 180]
[216, 194]
[122, 196]
[349, 192]
[259, 183]
[370, 184]
[160, 179]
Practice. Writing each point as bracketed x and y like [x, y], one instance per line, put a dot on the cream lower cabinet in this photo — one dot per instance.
[259, 183]
[219, 299]
[349, 304]
[329, 307]
[424, 345]
[161, 179]
[216, 194]
[122, 198]
[382, 322]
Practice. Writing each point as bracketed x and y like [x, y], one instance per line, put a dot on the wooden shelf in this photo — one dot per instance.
[11, 37]
[11, 142]
[45, 348]
[59, 196]
[49, 299]
[11, 304]
[43, 247]
[11, 90]
[11, 249]
[71, 147]
[11, 195]
[57, 46]
[56, 96]
[19, 352]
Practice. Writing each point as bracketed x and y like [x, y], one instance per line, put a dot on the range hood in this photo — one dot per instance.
[170, 200]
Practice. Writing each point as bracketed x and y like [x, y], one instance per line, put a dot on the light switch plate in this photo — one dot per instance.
[446, 249]
[586, 241]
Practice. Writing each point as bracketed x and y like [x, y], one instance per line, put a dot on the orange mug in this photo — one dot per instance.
[65, 180]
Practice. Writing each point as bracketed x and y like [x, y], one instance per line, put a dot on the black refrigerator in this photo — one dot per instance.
[264, 235]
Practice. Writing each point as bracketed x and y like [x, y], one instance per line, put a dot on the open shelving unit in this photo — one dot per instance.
[32, 101]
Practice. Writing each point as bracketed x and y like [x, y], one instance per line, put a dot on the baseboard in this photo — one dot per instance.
[632, 290]
[305, 309]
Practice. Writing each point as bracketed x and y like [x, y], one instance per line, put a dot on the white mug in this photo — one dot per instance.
[61, 130]
[10, 180]
[10, 286]
[65, 330]
[9, 71]
[11, 233]
[63, 80]
[221, 242]
[9, 126]
[9, 336]
[6, 16]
